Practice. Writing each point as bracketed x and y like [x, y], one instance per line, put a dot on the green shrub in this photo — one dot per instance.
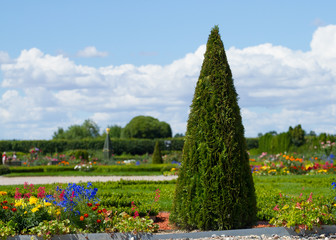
[4, 169]
[81, 154]
[215, 188]
[157, 157]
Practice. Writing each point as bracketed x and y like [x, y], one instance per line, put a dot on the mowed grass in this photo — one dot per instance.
[291, 185]
[294, 185]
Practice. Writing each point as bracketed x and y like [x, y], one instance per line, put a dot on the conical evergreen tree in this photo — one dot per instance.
[215, 188]
[157, 157]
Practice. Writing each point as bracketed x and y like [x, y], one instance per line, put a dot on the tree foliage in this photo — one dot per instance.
[89, 129]
[297, 135]
[215, 188]
[115, 131]
[146, 127]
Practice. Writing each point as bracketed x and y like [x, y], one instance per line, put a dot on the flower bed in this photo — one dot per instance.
[75, 209]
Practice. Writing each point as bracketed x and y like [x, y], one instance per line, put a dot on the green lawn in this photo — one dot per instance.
[267, 190]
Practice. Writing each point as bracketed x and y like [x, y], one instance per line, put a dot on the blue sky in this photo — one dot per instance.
[62, 62]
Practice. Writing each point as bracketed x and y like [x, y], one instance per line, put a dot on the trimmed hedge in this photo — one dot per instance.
[119, 146]
[100, 169]
[4, 169]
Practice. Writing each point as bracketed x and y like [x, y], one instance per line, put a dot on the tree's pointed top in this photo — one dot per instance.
[215, 29]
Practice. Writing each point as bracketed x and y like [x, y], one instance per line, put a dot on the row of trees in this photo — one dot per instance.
[144, 127]
[294, 140]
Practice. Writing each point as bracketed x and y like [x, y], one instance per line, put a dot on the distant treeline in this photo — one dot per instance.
[294, 140]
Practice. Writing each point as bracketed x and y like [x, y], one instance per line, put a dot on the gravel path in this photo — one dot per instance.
[77, 179]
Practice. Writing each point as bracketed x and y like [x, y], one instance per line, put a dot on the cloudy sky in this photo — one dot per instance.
[62, 62]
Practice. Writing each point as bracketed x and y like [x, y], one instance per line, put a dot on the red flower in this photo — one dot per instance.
[86, 215]
[94, 208]
[5, 202]
[97, 204]
[81, 218]
[104, 210]
[89, 204]
[98, 221]
[14, 209]
[5, 207]
[99, 211]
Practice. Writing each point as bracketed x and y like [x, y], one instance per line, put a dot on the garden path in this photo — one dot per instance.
[77, 179]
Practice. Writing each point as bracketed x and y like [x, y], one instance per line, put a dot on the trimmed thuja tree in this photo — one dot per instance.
[157, 157]
[215, 188]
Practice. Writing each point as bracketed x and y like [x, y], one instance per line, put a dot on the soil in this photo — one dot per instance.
[162, 219]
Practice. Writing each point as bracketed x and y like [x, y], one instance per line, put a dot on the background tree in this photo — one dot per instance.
[115, 131]
[146, 127]
[157, 157]
[89, 129]
[297, 135]
[215, 188]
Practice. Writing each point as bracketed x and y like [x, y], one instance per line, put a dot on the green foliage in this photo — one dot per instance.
[4, 169]
[115, 131]
[81, 154]
[157, 157]
[47, 229]
[301, 213]
[146, 127]
[7, 229]
[275, 143]
[297, 135]
[89, 129]
[252, 143]
[215, 187]
[120, 146]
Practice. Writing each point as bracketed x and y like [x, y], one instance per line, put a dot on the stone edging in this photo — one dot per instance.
[269, 231]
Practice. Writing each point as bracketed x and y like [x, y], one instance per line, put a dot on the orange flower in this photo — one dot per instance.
[81, 218]
[5, 207]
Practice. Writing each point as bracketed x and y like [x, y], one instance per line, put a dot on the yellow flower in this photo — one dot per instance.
[35, 209]
[173, 169]
[25, 212]
[58, 212]
[47, 204]
[2, 193]
[32, 200]
[334, 204]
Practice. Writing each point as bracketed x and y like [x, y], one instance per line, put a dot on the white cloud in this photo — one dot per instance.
[278, 88]
[4, 57]
[90, 52]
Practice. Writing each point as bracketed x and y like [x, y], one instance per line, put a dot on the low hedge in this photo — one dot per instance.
[4, 169]
[99, 169]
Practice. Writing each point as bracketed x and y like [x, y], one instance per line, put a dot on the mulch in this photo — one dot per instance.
[162, 219]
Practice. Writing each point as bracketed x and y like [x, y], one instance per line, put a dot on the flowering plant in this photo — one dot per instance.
[84, 167]
[73, 209]
[302, 214]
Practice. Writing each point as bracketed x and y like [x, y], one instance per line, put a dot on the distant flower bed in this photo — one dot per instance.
[288, 164]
